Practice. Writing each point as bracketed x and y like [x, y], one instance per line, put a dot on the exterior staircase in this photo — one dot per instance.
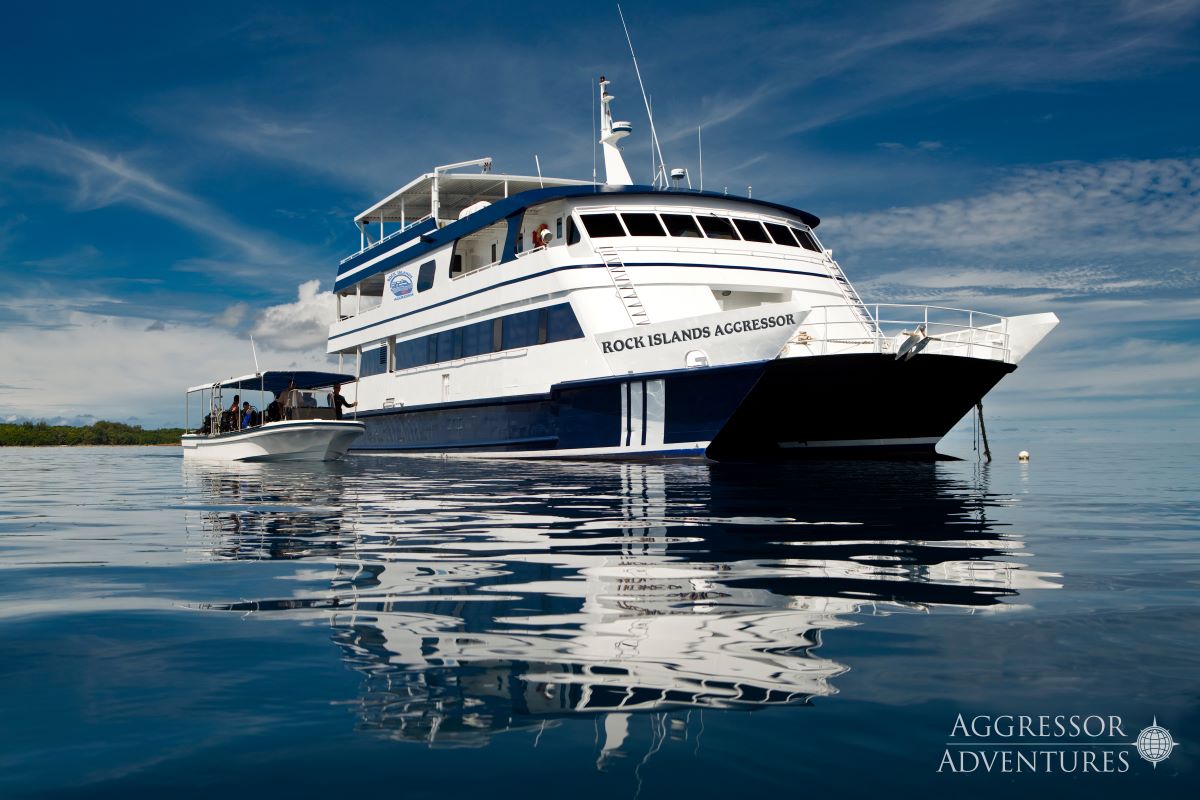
[624, 285]
[851, 295]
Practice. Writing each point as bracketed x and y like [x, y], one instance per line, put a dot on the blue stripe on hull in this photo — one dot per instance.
[552, 270]
[661, 412]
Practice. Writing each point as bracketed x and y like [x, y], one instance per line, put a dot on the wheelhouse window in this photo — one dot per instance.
[682, 225]
[425, 276]
[751, 230]
[807, 240]
[718, 228]
[600, 226]
[643, 225]
[782, 234]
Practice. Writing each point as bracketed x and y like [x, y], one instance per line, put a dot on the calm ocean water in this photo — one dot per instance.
[426, 627]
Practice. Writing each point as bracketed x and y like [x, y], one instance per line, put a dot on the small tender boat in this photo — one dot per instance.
[301, 423]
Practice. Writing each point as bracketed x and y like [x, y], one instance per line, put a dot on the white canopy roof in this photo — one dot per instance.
[455, 191]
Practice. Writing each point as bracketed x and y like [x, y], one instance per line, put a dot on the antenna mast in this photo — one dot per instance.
[595, 141]
[662, 170]
[700, 147]
[254, 353]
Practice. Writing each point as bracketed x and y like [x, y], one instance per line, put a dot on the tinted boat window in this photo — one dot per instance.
[751, 230]
[477, 338]
[782, 234]
[718, 227]
[561, 324]
[425, 277]
[643, 225]
[411, 353]
[682, 225]
[601, 225]
[521, 330]
[572, 232]
[449, 345]
[374, 362]
[807, 240]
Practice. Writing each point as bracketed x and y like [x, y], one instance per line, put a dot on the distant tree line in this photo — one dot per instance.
[41, 434]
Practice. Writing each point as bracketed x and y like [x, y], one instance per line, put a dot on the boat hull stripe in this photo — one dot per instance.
[543, 273]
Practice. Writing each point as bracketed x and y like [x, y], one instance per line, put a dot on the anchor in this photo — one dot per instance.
[913, 343]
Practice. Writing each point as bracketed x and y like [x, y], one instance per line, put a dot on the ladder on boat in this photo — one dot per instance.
[852, 297]
[624, 285]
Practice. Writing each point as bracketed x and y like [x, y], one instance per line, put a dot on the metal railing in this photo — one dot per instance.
[898, 328]
[390, 236]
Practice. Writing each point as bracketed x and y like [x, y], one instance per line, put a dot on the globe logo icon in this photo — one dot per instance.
[1154, 743]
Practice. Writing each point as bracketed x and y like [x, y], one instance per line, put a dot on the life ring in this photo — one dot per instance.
[537, 235]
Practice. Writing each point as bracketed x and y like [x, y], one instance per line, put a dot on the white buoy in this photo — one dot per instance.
[1023, 455]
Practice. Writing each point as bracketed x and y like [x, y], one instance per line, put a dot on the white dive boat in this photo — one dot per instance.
[530, 316]
[300, 424]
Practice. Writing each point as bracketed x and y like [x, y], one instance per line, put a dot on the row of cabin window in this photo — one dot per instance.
[648, 224]
[524, 329]
[697, 227]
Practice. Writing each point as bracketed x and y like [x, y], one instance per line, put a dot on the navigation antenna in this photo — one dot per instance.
[254, 353]
[595, 141]
[662, 166]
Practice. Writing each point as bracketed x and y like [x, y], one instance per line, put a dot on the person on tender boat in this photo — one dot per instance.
[231, 418]
[249, 413]
[289, 401]
[338, 402]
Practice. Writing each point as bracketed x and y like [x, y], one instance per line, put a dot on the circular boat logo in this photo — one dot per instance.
[1154, 743]
[401, 284]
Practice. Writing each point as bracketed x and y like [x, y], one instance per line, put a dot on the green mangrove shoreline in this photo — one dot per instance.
[41, 434]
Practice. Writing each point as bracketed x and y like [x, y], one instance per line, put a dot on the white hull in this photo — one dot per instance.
[299, 440]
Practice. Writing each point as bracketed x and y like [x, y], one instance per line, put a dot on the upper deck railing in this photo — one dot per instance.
[389, 237]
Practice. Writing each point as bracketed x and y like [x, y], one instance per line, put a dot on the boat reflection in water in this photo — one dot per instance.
[476, 598]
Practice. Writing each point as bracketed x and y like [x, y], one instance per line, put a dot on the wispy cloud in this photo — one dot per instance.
[95, 179]
[1138, 208]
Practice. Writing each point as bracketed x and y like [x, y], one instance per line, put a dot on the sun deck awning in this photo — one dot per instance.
[455, 192]
[278, 380]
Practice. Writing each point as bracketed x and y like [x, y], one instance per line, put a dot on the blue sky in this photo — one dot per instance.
[173, 178]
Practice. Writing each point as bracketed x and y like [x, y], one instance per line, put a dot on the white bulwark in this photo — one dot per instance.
[528, 316]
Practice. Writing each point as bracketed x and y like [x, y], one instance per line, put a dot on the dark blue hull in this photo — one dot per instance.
[838, 406]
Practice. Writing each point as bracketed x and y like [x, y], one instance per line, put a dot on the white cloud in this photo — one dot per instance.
[134, 369]
[302, 325]
[232, 316]
[968, 284]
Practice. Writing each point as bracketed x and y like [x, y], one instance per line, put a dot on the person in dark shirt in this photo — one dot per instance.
[338, 402]
[231, 419]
